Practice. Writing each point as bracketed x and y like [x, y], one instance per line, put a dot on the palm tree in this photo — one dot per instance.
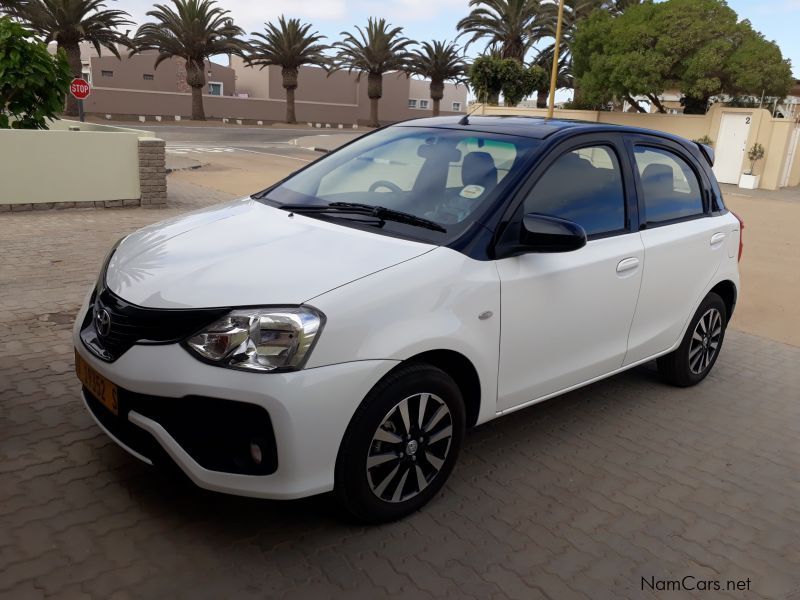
[439, 62]
[195, 31]
[291, 46]
[378, 49]
[564, 78]
[68, 23]
[511, 26]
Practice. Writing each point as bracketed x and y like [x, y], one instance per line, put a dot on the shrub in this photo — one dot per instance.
[32, 81]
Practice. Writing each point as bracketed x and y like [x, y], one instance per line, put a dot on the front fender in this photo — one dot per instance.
[432, 302]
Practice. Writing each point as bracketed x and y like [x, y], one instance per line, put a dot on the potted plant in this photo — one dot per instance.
[748, 180]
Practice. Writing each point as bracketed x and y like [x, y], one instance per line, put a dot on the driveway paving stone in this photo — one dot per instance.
[578, 497]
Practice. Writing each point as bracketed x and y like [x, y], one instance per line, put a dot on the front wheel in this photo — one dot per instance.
[694, 358]
[401, 445]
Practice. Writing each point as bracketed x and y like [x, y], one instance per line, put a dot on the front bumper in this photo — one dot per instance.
[308, 411]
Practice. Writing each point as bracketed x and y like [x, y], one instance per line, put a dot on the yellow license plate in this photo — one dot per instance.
[100, 387]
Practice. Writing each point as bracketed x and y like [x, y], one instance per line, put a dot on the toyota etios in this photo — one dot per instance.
[341, 329]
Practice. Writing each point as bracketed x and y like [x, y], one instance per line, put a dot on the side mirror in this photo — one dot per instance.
[541, 233]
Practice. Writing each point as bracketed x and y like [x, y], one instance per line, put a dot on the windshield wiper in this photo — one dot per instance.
[379, 212]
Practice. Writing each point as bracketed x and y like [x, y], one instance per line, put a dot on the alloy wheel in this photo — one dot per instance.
[705, 341]
[409, 447]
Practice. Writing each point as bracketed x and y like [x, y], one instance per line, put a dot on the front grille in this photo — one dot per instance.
[216, 433]
[131, 324]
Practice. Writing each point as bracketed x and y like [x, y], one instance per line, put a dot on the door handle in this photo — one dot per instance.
[627, 264]
[717, 239]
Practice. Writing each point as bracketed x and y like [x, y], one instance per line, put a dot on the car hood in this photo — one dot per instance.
[246, 253]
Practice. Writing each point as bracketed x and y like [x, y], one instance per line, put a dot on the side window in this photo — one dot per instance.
[670, 186]
[583, 186]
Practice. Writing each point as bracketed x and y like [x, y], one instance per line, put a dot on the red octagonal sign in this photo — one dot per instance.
[80, 88]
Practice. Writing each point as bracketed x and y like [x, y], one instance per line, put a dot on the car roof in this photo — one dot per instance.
[533, 127]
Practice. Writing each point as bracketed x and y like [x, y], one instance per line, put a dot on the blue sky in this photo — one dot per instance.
[436, 19]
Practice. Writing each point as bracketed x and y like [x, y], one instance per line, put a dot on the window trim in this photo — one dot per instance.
[148, 77]
[106, 73]
[427, 104]
[706, 191]
[414, 105]
[453, 106]
[221, 88]
[614, 142]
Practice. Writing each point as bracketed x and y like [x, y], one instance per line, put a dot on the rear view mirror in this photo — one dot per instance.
[541, 233]
[443, 152]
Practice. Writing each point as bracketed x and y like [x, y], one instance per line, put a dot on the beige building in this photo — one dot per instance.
[788, 108]
[132, 88]
[403, 97]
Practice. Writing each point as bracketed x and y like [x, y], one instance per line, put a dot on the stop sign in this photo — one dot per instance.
[79, 88]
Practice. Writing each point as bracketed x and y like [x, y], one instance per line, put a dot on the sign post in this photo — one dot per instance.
[80, 90]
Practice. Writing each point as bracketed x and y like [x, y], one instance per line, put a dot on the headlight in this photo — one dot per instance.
[260, 339]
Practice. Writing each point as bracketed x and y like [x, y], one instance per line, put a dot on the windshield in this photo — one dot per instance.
[442, 175]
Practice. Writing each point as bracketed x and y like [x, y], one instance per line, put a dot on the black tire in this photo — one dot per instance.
[358, 487]
[682, 367]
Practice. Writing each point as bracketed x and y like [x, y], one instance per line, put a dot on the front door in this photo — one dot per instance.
[730, 146]
[565, 317]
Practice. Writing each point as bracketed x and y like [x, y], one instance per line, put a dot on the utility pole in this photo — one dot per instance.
[554, 70]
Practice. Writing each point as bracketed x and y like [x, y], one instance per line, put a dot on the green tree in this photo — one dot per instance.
[490, 76]
[575, 11]
[195, 31]
[696, 46]
[68, 23]
[439, 62]
[511, 27]
[378, 49]
[32, 81]
[290, 46]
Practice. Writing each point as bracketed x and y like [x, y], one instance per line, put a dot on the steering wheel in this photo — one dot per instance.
[382, 183]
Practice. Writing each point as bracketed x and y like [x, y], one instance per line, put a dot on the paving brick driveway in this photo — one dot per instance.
[579, 497]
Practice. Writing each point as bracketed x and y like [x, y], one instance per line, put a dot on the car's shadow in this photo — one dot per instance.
[161, 491]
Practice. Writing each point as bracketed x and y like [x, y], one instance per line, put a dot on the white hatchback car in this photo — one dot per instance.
[341, 329]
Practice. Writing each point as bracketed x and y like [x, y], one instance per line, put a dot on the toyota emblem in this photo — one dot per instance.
[102, 320]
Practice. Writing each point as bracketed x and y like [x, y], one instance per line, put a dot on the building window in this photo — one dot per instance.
[423, 104]
[412, 103]
[106, 73]
[87, 75]
[456, 106]
[148, 76]
[214, 88]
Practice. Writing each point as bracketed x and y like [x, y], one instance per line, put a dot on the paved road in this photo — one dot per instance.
[269, 140]
[579, 497]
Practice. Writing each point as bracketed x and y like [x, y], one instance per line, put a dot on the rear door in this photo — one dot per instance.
[684, 242]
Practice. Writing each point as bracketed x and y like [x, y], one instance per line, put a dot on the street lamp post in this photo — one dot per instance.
[554, 69]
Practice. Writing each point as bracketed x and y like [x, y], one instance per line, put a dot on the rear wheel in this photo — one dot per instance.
[401, 445]
[693, 360]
